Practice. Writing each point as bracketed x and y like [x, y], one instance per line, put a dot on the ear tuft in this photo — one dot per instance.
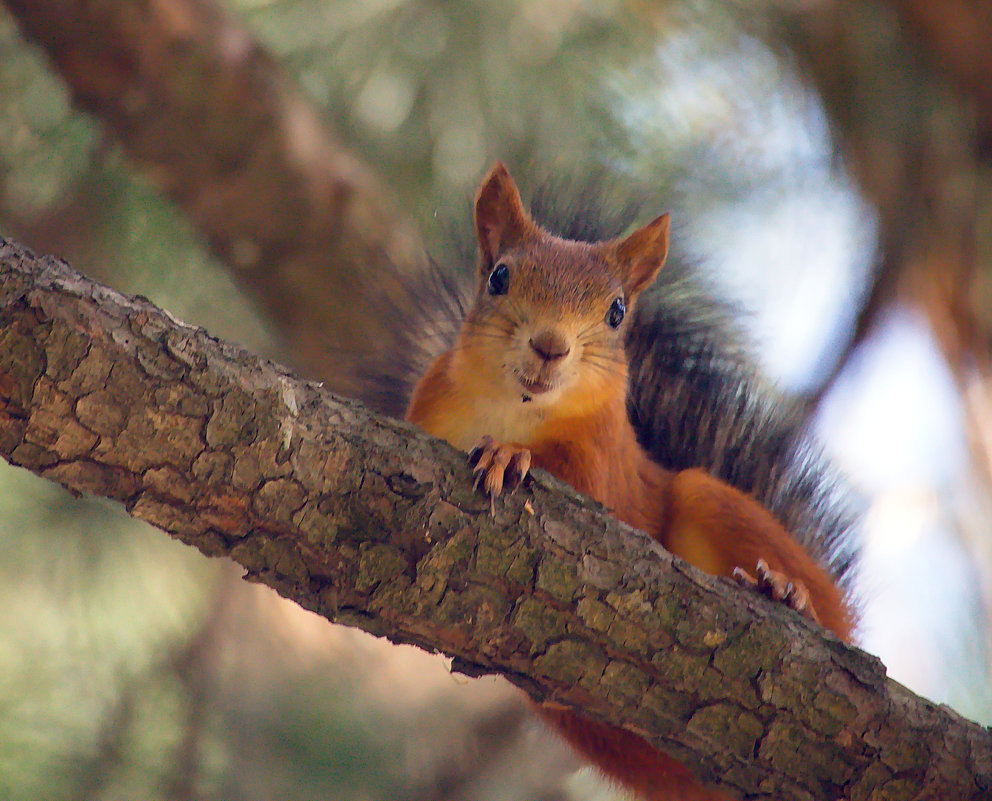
[500, 217]
[641, 255]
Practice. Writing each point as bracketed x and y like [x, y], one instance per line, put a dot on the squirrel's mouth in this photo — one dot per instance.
[534, 386]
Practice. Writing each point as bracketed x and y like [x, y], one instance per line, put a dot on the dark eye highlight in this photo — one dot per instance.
[499, 280]
[616, 313]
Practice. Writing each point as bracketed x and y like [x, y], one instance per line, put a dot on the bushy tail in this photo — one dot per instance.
[697, 399]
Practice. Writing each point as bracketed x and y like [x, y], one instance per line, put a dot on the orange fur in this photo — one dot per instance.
[629, 760]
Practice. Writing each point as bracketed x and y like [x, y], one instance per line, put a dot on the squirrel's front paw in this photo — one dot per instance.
[778, 587]
[497, 465]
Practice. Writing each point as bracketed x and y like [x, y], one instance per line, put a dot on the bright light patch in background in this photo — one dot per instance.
[764, 204]
[798, 263]
[893, 419]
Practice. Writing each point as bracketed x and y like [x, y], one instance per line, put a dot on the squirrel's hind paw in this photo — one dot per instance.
[778, 587]
[498, 465]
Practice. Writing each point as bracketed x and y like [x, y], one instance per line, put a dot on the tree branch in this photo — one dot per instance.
[372, 524]
[956, 34]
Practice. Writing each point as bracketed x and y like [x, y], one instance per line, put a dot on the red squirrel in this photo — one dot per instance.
[538, 377]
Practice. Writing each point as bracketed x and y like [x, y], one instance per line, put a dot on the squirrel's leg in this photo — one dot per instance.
[723, 531]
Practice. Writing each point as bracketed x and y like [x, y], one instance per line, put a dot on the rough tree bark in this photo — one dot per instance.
[372, 524]
[212, 120]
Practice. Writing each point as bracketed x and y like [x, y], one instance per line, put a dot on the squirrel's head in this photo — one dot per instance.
[551, 312]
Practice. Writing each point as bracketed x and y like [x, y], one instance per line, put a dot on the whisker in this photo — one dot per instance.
[608, 365]
[605, 365]
[587, 329]
[487, 325]
[602, 351]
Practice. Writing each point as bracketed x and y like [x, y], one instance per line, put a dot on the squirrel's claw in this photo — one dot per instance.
[778, 587]
[476, 453]
[497, 466]
[517, 469]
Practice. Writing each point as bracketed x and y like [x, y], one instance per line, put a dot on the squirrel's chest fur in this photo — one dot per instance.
[463, 411]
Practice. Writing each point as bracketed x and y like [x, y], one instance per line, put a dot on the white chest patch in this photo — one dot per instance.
[505, 420]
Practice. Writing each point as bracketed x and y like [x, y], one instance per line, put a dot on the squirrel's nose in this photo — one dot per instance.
[550, 345]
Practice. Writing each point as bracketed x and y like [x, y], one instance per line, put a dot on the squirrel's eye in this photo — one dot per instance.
[616, 313]
[499, 280]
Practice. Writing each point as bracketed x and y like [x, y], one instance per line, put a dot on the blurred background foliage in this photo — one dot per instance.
[132, 667]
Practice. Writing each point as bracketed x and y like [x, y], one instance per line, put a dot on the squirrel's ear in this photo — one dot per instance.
[642, 254]
[500, 217]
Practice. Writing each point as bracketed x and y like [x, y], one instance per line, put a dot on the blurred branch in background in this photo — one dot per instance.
[205, 113]
[919, 148]
[955, 36]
